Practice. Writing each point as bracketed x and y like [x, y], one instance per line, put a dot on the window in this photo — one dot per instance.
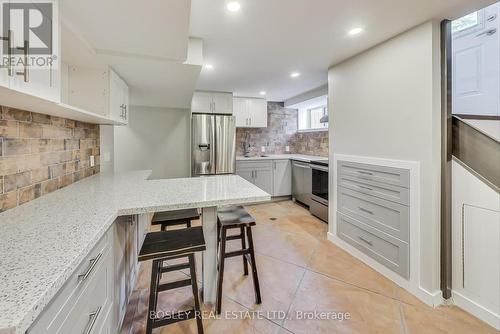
[466, 22]
[309, 119]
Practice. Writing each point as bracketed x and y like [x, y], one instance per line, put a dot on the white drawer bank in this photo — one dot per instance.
[94, 299]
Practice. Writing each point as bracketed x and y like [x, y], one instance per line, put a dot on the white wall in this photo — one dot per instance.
[156, 139]
[385, 103]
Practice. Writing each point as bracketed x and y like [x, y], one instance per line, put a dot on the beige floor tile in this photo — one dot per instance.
[368, 312]
[337, 263]
[278, 283]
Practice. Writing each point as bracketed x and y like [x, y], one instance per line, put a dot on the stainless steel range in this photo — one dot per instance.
[319, 193]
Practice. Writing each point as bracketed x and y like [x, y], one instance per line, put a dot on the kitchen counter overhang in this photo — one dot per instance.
[43, 241]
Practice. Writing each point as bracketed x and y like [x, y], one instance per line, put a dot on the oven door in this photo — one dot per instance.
[319, 184]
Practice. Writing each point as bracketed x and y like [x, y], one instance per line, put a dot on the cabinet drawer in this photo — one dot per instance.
[385, 191]
[389, 251]
[71, 293]
[385, 175]
[389, 217]
[254, 165]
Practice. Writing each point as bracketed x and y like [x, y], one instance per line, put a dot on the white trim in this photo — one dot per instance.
[477, 310]
[433, 298]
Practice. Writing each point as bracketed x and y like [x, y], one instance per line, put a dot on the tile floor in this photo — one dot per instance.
[300, 271]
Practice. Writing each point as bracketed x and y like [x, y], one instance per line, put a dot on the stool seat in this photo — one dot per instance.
[183, 214]
[234, 216]
[164, 244]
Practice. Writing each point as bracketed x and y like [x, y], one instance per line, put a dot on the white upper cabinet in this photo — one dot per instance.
[250, 112]
[212, 103]
[118, 98]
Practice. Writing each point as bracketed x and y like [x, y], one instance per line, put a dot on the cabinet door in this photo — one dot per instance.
[125, 100]
[240, 111]
[41, 81]
[282, 178]
[201, 102]
[297, 179]
[116, 110]
[264, 179]
[132, 252]
[120, 266]
[257, 112]
[222, 103]
[246, 174]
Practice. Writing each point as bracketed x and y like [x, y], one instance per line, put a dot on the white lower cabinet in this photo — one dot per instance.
[272, 176]
[94, 298]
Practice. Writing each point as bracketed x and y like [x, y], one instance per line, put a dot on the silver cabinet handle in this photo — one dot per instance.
[491, 18]
[365, 210]
[9, 40]
[367, 188]
[125, 108]
[365, 241]
[301, 165]
[92, 263]
[92, 319]
[26, 72]
[256, 175]
[487, 32]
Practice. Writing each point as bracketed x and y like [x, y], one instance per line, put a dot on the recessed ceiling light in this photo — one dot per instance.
[233, 6]
[209, 66]
[355, 31]
[294, 74]
[262, 92]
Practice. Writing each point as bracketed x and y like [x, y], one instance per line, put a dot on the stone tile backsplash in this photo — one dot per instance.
[41, 153]
[282, 131]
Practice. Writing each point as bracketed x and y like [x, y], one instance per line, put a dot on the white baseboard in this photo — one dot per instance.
[477, 310]
[430, 298]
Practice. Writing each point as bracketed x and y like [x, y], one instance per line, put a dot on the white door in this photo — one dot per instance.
[264, 180]
[240, 111]
[282, 177]
[201, 103]
[116, 110]
[222, 103]
[257, 113]
[476, 62]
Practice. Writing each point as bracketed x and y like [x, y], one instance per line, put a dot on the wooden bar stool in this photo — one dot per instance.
[176, 217]
[229, 218]
[168, 245]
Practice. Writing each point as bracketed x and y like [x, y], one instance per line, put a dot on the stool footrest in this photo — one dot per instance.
[174, 285]
[234, 237]
[237, 253]
[174, 267]
[173, 318]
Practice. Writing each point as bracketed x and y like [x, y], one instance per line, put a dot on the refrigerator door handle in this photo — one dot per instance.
[204, 147]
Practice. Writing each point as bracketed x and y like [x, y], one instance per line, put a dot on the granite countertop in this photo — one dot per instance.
[298, 157]
[43, 241]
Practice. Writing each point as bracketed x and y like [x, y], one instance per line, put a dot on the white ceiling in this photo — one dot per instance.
[258, 47]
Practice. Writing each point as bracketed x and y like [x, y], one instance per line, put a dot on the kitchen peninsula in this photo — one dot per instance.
[48, 242]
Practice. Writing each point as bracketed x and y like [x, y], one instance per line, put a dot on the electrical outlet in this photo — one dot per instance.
[287, 148]
[92, 161]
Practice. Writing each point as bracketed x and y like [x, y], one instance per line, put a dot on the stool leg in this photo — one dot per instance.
[222, 253]
[256, 285]
[243, 246]
[188, 222]
[163, 227]
[153, 295]
[194, 284]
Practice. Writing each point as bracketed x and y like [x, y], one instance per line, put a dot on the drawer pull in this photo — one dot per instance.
[363, 172]
[365, 210]
[93, 262]
[366, 241]
[92, 319]
[367, 188]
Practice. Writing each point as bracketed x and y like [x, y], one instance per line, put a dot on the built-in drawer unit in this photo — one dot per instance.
[386, 175]
[387, 216]
[85, 298]
[373, 212]
[267, 164]
[390, 251]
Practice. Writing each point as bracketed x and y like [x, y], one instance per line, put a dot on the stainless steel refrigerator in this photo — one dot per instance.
[213, 140]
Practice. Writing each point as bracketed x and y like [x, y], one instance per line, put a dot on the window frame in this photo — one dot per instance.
[308, 111]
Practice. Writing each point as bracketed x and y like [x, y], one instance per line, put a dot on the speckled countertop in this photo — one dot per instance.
[298, 157]
[43, 241]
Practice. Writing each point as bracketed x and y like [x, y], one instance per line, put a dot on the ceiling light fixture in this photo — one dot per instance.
[209, 66]
[355, 31]
[262, 92]
[233, 6]
[294, 74]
